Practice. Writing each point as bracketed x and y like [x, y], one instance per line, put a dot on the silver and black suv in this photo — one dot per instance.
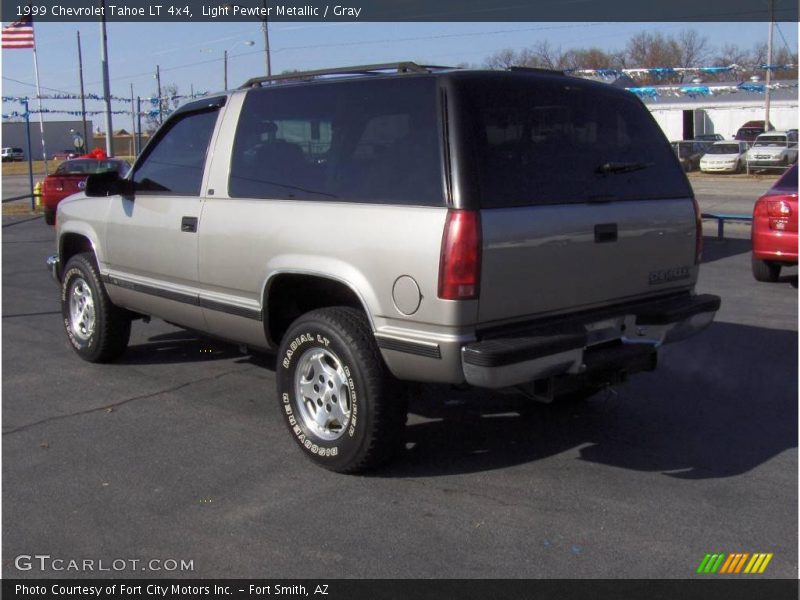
[375, 225]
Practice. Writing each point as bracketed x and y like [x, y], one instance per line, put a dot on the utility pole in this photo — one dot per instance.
[138, 125]
[265, 28]
[160, 107]
[769, 65]
[133, 124]
[106, 84]
[83, 96]
[225, 59]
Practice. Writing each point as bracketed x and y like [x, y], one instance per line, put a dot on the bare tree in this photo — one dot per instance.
[731, 54]
[653, 50]
[544, 56]
[758, 55]
[782, 56]
[693, 48]
[647, 49]
[590, 58]
[502, 60]
[169, 102]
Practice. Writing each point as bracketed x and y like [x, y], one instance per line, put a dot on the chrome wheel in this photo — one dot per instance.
[322, 393]
[81, 309]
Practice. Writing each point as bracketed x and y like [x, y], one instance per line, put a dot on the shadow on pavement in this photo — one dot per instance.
[716, 249]
[183, 346]
[178, 347]
[694, 418]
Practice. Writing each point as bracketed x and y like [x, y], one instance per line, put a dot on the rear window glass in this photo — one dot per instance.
[360, 141]
[552, 141]
[771, 140]
[72, 167]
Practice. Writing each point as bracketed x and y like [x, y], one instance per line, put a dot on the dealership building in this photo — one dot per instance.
[684, 117]
[58, 136]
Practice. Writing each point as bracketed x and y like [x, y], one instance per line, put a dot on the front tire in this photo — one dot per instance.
[97, 330]
[49, 216]
[337, 398]
[764, 270]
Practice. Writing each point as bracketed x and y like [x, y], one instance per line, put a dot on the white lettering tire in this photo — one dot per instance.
[342, 407]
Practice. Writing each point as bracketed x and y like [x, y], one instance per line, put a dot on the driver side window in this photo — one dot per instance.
[175, 164]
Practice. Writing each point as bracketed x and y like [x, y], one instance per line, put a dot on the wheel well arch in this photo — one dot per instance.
[290, 295]
[71, 244]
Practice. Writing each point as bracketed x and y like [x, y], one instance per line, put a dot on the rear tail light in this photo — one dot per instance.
[460, 261]
[698, 235]
[54, 185]
[779, 213]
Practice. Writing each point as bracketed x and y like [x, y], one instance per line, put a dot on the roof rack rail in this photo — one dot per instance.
[537, 70]
[377, 69]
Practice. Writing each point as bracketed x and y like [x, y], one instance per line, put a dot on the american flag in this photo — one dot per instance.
[18, 34]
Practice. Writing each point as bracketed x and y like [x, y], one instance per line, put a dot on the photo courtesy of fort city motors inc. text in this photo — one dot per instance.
[389, 299]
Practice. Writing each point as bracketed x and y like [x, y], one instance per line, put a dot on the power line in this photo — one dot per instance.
[783, 38]
[353, 44]
[358, 43]
[33, 85]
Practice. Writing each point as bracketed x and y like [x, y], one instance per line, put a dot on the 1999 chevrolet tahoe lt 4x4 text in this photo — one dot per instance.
[375, 225]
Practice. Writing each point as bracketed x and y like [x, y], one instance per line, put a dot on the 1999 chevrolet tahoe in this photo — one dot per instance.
[381, 224]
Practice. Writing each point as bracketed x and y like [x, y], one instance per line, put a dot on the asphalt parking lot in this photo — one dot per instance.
[177, 452]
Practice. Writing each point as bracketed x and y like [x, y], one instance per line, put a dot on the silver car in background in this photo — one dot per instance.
[773, 149]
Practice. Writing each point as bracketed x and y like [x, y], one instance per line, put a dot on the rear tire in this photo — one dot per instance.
[764, 270]
[97, 330]
[337, 398]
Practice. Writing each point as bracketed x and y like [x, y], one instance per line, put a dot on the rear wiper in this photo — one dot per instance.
[622, 167]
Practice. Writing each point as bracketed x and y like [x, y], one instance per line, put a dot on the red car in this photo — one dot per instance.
[775, 228]
[70, 178]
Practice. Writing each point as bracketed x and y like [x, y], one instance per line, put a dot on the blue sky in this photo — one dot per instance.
[191, 53]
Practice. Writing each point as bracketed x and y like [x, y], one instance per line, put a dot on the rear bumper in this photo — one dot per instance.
[779, 246]
[578, 345]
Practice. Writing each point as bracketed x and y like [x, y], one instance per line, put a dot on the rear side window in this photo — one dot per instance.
[359, 141]
[174, 163]
[557, 140]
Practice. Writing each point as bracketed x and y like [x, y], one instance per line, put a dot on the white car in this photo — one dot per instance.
[773, 149]
[12, 154]
[724, 157]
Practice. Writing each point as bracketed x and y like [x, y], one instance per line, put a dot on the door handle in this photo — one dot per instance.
[189, 224]
[606, 232]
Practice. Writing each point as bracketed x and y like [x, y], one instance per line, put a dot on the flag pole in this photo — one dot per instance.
[106, 84]
[39, 102]
[30, 154]
[83, 97]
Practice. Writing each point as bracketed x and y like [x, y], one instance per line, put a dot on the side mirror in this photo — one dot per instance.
[108, 184]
